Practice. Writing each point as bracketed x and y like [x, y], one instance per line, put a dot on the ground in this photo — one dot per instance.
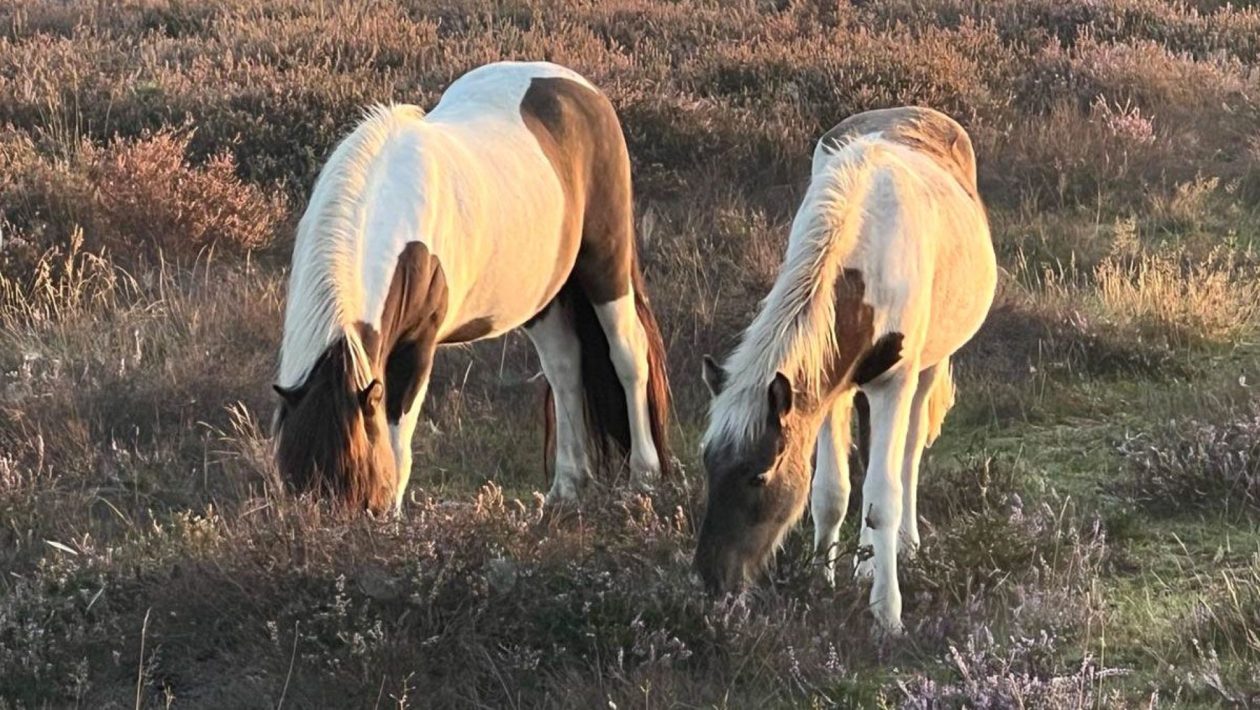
[1091, 513]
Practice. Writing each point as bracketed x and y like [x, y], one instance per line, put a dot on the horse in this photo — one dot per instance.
[889, 270]
[508, 204]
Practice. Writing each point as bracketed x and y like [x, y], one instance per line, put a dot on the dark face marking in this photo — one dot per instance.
[757, 489]
[334, 439]
[330, 435]
[578, 131]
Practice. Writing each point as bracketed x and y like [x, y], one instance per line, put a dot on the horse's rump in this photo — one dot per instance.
[578, 130]
[923, 130]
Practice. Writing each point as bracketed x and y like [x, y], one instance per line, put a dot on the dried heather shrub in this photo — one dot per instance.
[1197, 465]
[148, 197]
[1020, 673]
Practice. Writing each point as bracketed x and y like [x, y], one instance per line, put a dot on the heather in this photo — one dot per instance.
[1090, 515]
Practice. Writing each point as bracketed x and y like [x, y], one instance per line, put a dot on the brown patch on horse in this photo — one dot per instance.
[922, 129]
[854, 326]
[475, 329]
[883, 355]
[414, 311]
[857, 359]
[578, 131]
[327, 427]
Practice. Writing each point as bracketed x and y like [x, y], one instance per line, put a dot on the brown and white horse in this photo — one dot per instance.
[889, 270]
[508, 204]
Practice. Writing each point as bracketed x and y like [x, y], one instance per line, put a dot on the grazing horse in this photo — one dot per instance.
[508, 204]
[889, 270]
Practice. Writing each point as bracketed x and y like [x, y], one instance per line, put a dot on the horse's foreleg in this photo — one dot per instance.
[560, 352]
[829, 498]
[890, 399]
[628, 347]
[400, 435]
[407, 375]
[916, 438]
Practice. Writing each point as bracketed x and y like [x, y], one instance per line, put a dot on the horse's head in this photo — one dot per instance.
[756, 453]
[332, 436]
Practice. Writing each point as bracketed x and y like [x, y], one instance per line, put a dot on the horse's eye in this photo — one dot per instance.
[759, 480]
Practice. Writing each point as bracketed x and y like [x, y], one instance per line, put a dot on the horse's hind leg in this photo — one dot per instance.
[628, 348]
[829, 497]
[560, 352]
[407, 373]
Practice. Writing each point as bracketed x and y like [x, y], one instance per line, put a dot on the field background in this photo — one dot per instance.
[1092, 511]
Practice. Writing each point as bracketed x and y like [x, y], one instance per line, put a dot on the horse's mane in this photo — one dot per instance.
[325, 287]
[794, 329]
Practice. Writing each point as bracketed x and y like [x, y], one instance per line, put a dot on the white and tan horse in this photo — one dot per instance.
[508, 204]
[889, 270]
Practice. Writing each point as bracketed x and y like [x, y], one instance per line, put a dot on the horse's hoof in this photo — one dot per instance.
[863, 566]
[829, 576]
[644, 482]
[908, 549]
[567, 487]
[561, 496]
[887, 629]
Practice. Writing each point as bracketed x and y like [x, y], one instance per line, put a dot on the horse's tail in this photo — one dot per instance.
[940, 399]
[607, 418]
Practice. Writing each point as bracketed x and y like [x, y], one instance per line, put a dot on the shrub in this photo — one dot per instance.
[147, 197]
[135, 198]
[1196, 465]
[1022, 673]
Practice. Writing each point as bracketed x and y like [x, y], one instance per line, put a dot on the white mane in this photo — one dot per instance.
[325, 290]
[794, 330]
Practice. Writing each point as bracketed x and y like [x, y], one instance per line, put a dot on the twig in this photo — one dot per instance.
[144, 629]
[292, 655]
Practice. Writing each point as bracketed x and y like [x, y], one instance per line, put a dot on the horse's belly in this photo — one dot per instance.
[521, 275]
[962, 292]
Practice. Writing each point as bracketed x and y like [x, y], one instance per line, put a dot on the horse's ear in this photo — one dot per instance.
[370, 396]
[290, 395]
[713, 375]
[780, 395]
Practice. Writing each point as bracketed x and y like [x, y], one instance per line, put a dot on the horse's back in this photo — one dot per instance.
[496, 91]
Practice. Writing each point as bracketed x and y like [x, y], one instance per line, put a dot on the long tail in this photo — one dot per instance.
[940, 400]
[607, 418]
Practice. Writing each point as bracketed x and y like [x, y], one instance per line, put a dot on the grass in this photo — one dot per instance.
[1091, 529]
